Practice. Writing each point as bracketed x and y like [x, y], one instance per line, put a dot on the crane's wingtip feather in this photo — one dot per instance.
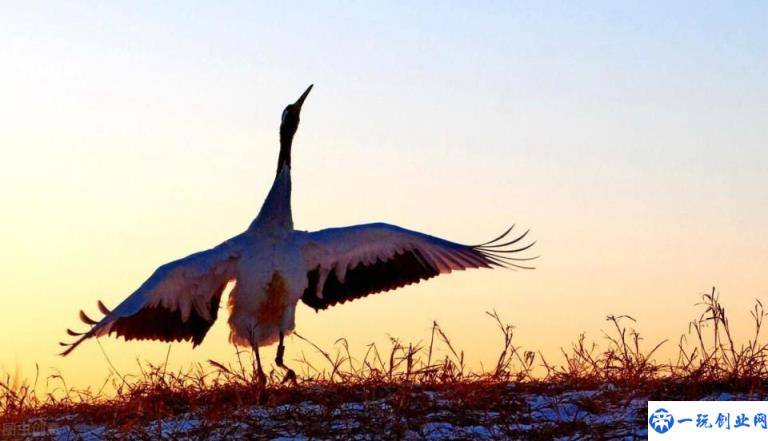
[499, 245]
[104, 310]
[502, 236]
[87, 320]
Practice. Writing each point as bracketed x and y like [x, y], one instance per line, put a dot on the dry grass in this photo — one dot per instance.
[403, 387]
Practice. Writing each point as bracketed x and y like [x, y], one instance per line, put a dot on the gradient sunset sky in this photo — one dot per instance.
[631, 137]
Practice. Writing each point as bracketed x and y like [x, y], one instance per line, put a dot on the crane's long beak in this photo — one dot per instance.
[303, 96]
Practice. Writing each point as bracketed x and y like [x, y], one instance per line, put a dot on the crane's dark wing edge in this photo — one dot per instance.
[353, 262]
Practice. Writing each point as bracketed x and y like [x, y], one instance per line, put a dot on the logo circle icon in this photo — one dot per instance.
[661, 420]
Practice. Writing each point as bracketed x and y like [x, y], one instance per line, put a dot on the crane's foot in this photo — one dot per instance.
[290, 376]
[261, 379]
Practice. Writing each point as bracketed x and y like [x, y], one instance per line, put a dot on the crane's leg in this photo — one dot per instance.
[290, 375]
[262, 379]
[260, 372]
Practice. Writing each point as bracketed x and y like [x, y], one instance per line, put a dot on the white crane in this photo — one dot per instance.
[274, 266]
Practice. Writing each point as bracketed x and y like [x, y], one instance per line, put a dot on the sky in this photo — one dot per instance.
[630, 138]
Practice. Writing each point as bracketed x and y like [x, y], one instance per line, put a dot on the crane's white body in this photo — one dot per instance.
[271, 275]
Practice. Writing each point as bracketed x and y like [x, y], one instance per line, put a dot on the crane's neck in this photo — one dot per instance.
[284, 158]
[275, 217]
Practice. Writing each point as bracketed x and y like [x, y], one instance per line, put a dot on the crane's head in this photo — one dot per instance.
[288, 126]
[290, 119]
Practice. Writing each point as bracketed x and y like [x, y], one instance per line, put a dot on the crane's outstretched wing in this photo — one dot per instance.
[180, 301]
[352, 262]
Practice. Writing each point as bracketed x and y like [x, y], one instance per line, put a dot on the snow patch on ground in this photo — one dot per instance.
[436, 415]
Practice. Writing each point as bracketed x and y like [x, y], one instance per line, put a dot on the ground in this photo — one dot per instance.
[462, 411]
[595, 392]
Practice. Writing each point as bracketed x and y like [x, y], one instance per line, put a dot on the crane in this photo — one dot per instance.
[274, 266]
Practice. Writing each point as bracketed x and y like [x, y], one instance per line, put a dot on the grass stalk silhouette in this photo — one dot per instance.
[708, 359]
